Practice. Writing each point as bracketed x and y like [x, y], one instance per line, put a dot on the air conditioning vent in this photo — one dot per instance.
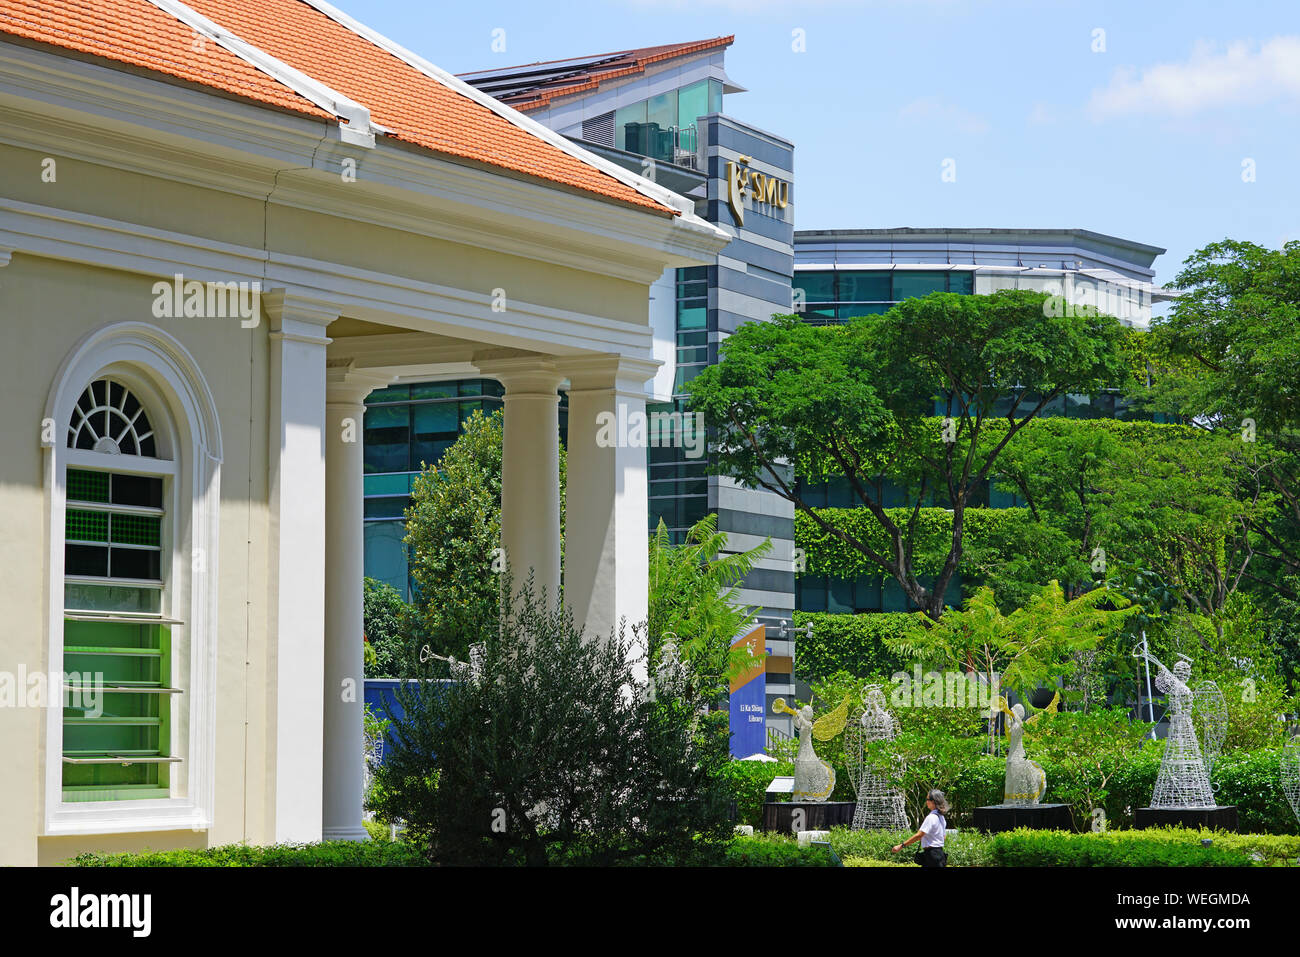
[599, 129]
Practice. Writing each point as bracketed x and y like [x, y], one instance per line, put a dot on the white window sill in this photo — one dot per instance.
[123, 817]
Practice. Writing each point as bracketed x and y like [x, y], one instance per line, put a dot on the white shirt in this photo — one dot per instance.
[932, 829]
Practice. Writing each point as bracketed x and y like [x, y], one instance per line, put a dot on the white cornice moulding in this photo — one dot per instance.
[357, 128]
[362, 294]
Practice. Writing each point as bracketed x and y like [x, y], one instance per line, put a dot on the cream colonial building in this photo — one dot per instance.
[180, 483]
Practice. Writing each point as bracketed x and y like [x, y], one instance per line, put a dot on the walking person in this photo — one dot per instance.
[931, 833]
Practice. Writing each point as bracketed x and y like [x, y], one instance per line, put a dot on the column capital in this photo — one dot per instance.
[6, 254]
[522, 375]
[347, 385]
[624, 375]
[298, 317]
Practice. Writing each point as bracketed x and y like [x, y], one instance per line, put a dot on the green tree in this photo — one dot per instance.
[391, 629]
[1238, 320]
[1224, 359]
[453, 528]
[694, 590]
[1168, 499]
[859, 402]
[1033, 646]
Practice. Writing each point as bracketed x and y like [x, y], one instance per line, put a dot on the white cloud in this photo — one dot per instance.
[1237, 76]
[933, 111]
[1044, 114]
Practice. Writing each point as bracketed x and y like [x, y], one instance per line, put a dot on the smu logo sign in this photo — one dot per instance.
[764, 189]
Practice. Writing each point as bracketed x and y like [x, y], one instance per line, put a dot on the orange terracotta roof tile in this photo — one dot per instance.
[138, 33]
[415, 108]
[588, 72]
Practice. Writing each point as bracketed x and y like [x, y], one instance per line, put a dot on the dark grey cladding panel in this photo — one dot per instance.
[734, 136]
[769, 579]
[777, 293]
[761, 256]
[755, 222]
[753, 523]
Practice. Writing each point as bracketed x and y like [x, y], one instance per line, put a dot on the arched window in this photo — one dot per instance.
[119, 696]
[134, 483]
[108, 418]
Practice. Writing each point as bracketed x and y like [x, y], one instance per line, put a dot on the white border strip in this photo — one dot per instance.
[639, 183]
[357, 128]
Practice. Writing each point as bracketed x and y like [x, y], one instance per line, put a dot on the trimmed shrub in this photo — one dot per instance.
[774, 850]
[749, 782]
[325, 854]
[872, 862]
[1249, 779]
[1149, 848]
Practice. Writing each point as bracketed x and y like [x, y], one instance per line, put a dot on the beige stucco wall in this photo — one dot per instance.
[46, 306]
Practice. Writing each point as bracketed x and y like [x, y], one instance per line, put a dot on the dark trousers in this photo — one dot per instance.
[932, 857]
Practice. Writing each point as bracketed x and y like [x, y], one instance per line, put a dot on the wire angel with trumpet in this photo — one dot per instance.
[1184, 778]
[1026, 781]
[470, 670]
[814, 779]
[880, 802]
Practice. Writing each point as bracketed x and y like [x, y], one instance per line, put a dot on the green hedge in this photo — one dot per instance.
[852, 643]
[1149, 848]
[325, 854]
[985, 530]
[749, 781]
[966, 848]
[775, 850]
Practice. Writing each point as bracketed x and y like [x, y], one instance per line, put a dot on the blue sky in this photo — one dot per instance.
[1146, 137]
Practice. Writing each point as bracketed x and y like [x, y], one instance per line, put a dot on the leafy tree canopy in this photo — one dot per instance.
[859, 400]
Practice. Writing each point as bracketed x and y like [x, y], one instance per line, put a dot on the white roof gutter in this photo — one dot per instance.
[356, 127]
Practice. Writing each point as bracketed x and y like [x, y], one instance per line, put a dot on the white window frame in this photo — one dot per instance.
[165, 377]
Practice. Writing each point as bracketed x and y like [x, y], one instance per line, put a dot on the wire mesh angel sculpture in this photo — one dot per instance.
[1184, 778]
[1025, 782]
[880, 804]
[1291, 774]
[814, 779]
[460, 670]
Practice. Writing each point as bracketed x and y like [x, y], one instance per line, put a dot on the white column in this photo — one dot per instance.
[530, 470]
[344, 682]
[297, 558]
[606, 566]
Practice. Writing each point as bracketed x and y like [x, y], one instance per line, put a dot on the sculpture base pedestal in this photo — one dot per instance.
[1007, 817]
[813, 815]
[1222, 818]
